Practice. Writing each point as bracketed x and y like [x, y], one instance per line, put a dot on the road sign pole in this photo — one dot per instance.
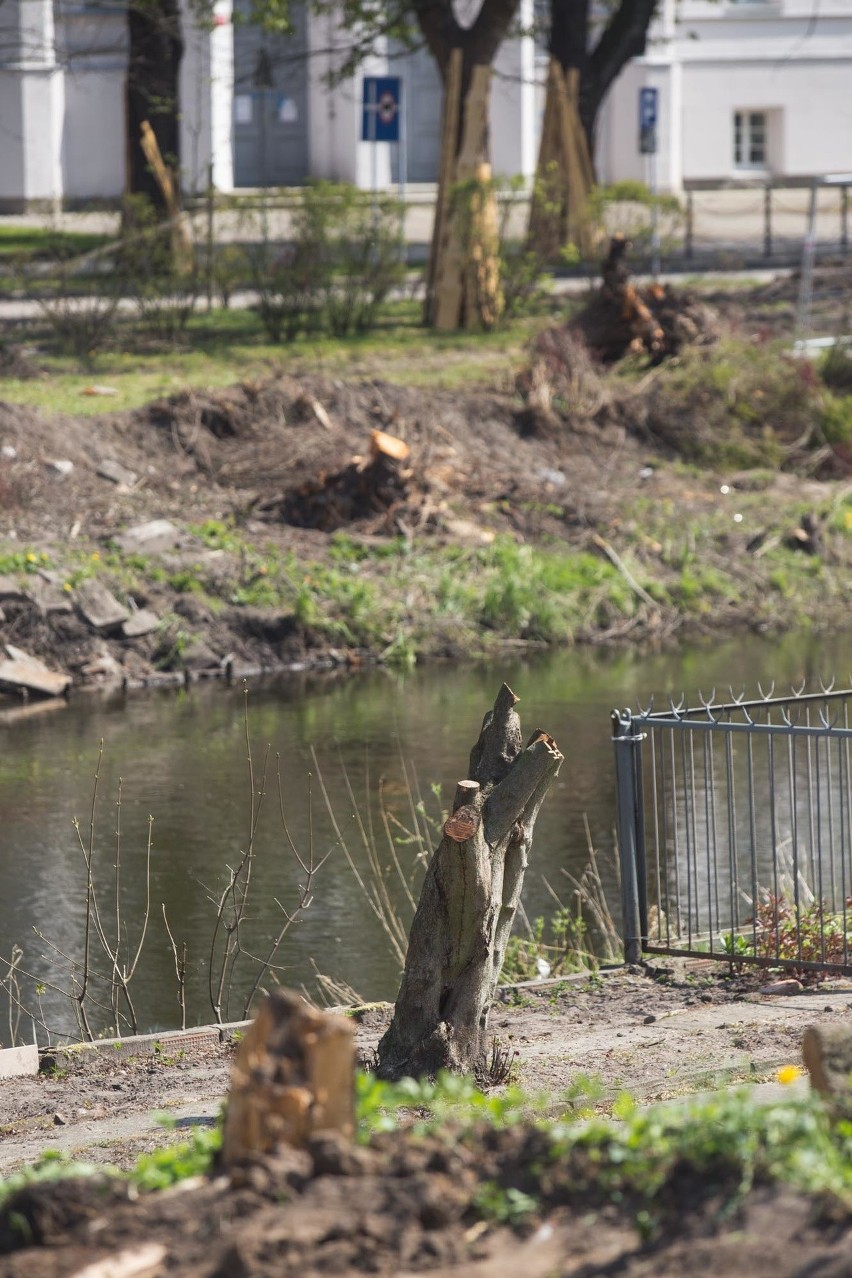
[372, 108]
[402, 164]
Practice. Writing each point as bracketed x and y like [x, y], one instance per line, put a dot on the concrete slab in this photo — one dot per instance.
[148, 539]
[15, 1062]
[99, 607]
[143, 622]
[33, 677]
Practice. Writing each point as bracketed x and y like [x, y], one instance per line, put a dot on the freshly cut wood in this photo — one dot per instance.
[384, 445]
[621, 317]
[467, 906]
[827, 1052]
[293, 1075]
[367, 487]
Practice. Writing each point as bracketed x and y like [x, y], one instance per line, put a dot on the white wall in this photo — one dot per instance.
[31, 105]
[206, 99]
[514, 125]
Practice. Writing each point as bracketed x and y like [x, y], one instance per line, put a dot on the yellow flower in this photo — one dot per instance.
[31, 558]
[96, 554]
[67, 586]
[848, 520]
[788, 1074]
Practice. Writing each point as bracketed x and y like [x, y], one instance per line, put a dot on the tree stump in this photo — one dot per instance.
[827, 1053]
[293, 1075]
[467, 906]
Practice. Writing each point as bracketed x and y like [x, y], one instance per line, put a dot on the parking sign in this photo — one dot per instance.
[380, 108]
[648, 103]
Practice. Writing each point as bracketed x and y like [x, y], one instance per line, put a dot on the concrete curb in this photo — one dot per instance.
[168, 1044]
[15, 1062]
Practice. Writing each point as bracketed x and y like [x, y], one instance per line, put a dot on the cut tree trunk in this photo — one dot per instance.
[464, 272]
[467, 906]
[293, 1075]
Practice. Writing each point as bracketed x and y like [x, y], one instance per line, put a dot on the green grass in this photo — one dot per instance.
[230, 346]
[33, 243]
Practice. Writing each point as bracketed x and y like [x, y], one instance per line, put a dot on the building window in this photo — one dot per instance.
[750, 141]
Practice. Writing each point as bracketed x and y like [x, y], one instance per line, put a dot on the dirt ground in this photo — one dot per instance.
[273, 459]
[403, 1205]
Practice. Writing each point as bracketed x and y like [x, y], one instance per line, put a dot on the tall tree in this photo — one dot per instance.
[153, 69]
[587, 53]
[463, 283]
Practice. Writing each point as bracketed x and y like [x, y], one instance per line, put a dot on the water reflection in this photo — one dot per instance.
[182, 758]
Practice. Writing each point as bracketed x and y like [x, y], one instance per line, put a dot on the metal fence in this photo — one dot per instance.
[735, 829]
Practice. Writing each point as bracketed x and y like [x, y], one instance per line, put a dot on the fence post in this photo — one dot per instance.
[844, 218]
[687, 246]
[767, 220]
[628, 811]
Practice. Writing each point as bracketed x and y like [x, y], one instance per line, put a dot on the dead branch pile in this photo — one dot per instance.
[561, 381]
[623, 318]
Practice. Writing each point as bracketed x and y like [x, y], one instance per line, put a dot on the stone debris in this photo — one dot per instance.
[10, 588]
[20, 670]
[791, 986]
[61, 467]
[48, 597]
[148, 539]
[142, 622]
[117, 473]
[100, 608]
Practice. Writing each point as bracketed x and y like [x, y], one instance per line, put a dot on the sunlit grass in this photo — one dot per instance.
[224, 347]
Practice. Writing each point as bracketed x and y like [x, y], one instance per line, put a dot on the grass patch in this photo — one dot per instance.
[230, 346]
[31, 243]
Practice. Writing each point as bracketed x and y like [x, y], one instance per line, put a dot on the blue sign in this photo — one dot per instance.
[648, 104]
[382, 103]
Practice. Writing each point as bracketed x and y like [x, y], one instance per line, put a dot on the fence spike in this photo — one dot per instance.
[829, 726]
[677, 709]
[829, 687]
[766, 696]
[797, 692]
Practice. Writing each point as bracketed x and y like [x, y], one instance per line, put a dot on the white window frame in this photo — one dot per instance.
[750, 134]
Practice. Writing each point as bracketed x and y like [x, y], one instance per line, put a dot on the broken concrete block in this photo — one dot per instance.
[143, 622]
[114, 471]
[148, 539]
[61, 467]
[18, 1061]
[48, 597]
[827, 1051]
[100, 608]
[10, 588]
[199, 656]
[32, 675]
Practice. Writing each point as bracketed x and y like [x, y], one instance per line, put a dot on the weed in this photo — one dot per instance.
[505, 1206]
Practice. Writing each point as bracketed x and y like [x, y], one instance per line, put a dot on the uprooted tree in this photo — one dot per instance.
[467, 905]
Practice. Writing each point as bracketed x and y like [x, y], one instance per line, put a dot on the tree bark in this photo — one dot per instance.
[293, 1075]
[584, 75]
[463, 286]
[153, 68]
[467, 906]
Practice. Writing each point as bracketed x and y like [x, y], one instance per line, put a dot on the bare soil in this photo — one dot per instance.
[576, 463]
[404, 1204]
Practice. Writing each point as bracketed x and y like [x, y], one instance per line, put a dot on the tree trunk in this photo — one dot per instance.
[583, 75]
[467, 906]
[153, 68]
[293, 1075]
[559, 212]
[464, 271]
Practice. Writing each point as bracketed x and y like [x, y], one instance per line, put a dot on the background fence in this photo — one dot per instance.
[735, 830]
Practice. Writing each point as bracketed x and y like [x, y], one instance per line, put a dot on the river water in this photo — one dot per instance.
[182, 759]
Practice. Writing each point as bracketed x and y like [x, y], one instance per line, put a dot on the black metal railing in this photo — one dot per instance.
[735, 829]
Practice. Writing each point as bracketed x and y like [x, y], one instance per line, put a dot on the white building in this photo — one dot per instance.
[746, 88]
